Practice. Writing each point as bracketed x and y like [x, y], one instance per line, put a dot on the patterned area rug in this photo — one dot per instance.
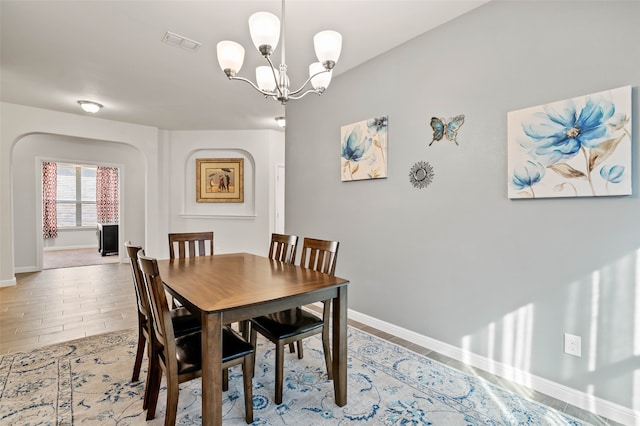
[87, 381]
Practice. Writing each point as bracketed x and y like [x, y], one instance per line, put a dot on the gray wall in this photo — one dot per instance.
[458, 261]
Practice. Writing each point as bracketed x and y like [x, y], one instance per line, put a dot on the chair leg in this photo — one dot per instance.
[147, 383]
[150, 372]
[155, 379]
[252, 341]
[248, 389]
[327, 352]
[300, 352]
[225, 379]
[279, 372]
[326, 346]
[139, 354]
[172, 401]
[292, 348]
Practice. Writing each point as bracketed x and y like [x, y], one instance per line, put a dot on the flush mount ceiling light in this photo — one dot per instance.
[282, 122]
[273, 82]
[89, 106]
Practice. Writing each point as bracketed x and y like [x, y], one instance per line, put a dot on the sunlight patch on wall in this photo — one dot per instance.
[508, 344]
[524, 336]
[491, 344]
[517, 336]
[508, 332]
[465, 343]
[591, 401]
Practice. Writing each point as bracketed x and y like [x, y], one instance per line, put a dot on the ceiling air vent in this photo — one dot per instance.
[179, 41]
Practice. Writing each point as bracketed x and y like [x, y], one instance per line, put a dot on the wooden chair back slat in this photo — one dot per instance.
[283, 248]
[162, 325]
[190, 244]
[138, 279]
[320, 255]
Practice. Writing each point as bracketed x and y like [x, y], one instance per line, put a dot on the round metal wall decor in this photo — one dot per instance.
[421, 174]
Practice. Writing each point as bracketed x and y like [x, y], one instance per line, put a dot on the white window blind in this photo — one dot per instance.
[76, 195]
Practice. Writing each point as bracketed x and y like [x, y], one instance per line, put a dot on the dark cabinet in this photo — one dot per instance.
[107, 239]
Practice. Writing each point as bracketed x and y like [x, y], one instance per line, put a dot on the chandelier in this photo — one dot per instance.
[273, 81]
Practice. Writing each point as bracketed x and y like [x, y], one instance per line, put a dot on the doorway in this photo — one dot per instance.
[76, 197]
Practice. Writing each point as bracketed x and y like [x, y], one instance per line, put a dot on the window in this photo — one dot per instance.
[76, 195]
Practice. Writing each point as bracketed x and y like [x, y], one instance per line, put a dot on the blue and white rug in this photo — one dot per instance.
[87, 382]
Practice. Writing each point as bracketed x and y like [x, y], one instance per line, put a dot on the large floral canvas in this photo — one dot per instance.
[364, 149]
[579, 147]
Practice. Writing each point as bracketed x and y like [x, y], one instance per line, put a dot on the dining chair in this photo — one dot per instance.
[283, 248]
[183, 321]
[180, 358]
[293, 325]
[190, 244]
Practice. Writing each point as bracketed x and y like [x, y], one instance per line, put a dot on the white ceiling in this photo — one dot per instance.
[54, 53]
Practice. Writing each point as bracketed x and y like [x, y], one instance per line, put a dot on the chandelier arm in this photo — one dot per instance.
[264, 92]
[316, 91]
[295, 92]
[275, 77]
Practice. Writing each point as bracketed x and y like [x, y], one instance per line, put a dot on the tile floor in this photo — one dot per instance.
[54, 259]
[57, 305]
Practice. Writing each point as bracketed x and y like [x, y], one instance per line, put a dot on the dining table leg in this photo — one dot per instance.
[212, 368]
[340, 346]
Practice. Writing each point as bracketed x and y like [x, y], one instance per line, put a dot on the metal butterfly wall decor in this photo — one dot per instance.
[446, 129]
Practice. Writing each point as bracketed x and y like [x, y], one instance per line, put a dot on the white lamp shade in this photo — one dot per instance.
[264, 78]
[230, 56]
[328, 45]
[265, 29]
[320, 80]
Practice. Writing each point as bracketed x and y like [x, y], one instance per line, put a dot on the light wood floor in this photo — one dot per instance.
[58, 305]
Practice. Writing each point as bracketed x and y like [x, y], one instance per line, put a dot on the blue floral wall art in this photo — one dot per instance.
[579, 147]
[364, 149]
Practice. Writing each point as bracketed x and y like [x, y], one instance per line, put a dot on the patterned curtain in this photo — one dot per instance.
[49, 197]
[107, 195]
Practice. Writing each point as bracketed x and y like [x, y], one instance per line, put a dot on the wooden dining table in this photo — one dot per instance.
[228, 288]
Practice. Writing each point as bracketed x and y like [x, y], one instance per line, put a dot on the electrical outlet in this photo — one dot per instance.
[572, 344]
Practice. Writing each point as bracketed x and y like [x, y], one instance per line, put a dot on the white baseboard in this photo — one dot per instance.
[8, 283]
[54, 248]
[24, 269]
[574, 397]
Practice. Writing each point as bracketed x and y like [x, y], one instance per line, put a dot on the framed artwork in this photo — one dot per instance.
[364, 149]
[220, 180]
[579, 147]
